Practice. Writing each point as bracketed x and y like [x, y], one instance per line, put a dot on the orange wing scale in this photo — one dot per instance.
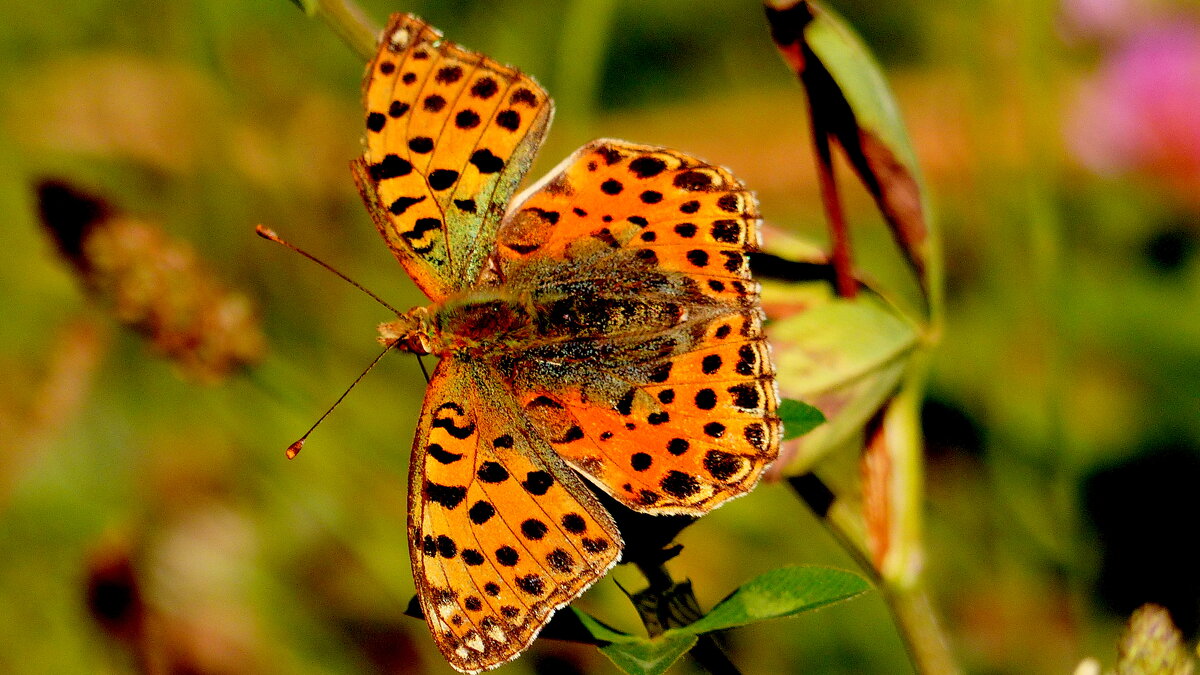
[705, 428]
[450, 134]
[501, 531]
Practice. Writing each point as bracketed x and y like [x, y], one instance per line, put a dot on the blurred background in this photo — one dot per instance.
[148, 518]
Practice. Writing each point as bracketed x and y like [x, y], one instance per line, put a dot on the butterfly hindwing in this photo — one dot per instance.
[450, 134]
[501, 531]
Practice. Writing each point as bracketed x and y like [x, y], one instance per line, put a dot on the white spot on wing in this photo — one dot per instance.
[475, 642]
[399, 39]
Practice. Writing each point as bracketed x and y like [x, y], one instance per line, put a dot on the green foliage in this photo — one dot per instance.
[776, 594]
[799, 418]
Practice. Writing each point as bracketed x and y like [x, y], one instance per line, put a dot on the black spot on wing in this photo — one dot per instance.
[441, 454]
[574, 523]
[722, 465]
[401, 205]
[448, 422]
[492, 472]
[727, 231]
[531, 584]
[678, 446]
[466, 119]
[755, 435]
[509, 119]
[610, 154]
[449, 496]
[507, 556]
[421, 144]
[524, 96]
[449, 74]
[534, 529]
[685, 230]
[544, 402]
[486, 161]
[391, 166]
[561, 561]
[420, 227]
[481, 512]
[646, 167]
[537, 483]
[640, 461]
[679, 484]
[484, 88]
[745, 395]
[693, 181]
[434, 103]
[442, 179]
[397, 109]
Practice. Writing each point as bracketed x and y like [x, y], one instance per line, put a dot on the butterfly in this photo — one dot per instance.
[601, 327]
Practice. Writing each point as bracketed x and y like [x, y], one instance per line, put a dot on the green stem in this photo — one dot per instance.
[347, 21]
[921, 630]
[914, 616]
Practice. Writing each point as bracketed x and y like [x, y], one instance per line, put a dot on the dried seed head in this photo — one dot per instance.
[154, 285]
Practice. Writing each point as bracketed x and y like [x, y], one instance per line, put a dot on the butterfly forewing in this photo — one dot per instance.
[678, 413]
[450, 134]
[501, 531]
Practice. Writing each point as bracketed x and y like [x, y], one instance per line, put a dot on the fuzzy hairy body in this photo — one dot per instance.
[593, 323]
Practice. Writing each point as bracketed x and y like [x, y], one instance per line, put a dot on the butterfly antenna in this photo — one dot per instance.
[269, 234]
[294, 448]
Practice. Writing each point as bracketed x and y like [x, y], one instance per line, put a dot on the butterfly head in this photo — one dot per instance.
[413, 331]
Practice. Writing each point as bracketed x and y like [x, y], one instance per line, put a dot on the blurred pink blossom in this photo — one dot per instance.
[1141, 110]
[1097, 18]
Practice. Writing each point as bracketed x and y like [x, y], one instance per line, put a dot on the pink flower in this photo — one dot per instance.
[1141, 110]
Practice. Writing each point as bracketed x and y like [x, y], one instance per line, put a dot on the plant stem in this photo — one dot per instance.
[915, 618]
[708, 655]
[675, 605]
[347, 21]
[831, 201]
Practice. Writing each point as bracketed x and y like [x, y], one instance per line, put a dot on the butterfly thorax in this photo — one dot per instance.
[478, 321]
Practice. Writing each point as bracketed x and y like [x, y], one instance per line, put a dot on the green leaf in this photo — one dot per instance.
[601, 631]
[775, 594]
[783, 592]
[634, 654]
[845, 357]
[799, 418]
[649, 656]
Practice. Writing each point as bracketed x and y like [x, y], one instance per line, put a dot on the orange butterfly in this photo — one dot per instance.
[602, 324]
